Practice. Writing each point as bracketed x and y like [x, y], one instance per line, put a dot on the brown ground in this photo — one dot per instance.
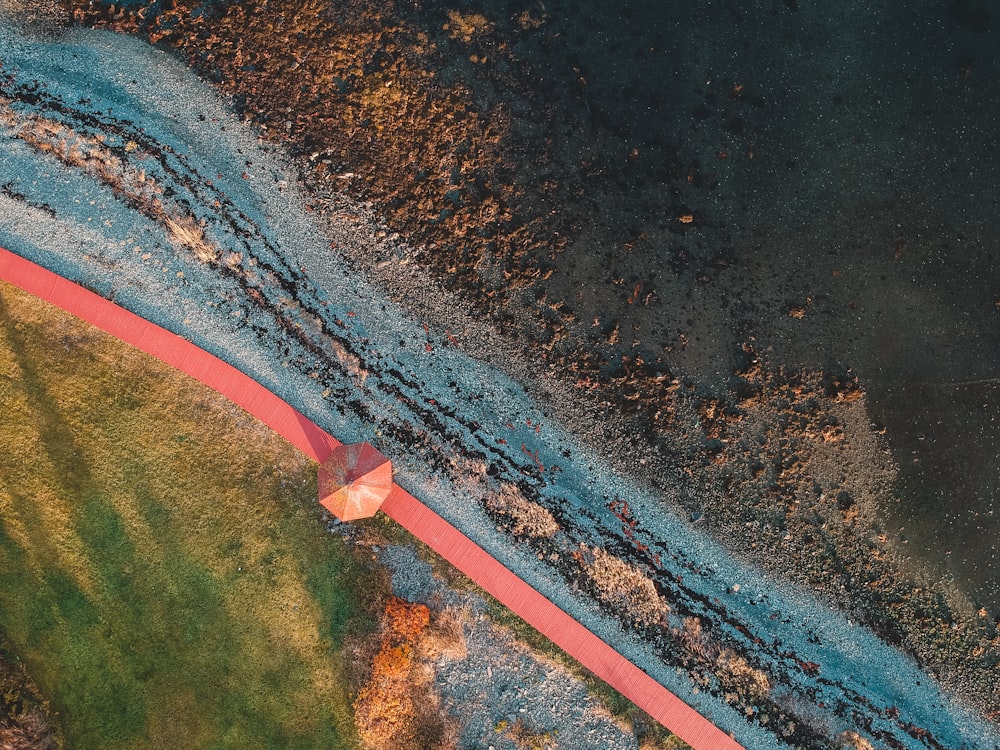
[25, 716]
[489, 167]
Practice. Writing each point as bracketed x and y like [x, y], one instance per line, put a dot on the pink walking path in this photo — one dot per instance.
[401, 506]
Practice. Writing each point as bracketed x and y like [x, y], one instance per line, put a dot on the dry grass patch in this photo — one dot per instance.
[187, 233]
[522, 517]
[736, 672]
[90, 154]
[623, 588]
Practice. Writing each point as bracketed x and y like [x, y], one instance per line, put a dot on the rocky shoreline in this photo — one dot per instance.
[782, 463]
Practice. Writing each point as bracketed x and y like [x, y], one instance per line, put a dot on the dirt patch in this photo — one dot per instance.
[26, 719]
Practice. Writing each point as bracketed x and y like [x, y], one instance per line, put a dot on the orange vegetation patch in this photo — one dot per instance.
[388, 708]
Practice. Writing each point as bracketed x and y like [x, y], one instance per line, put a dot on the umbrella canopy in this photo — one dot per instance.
[354, 480]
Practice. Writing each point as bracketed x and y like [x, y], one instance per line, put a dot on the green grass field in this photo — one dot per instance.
[166, 577]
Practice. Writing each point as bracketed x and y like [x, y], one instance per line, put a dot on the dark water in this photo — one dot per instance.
[846, 160]
[841, 158]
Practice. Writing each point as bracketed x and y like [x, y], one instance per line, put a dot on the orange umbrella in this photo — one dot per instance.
[354, 480]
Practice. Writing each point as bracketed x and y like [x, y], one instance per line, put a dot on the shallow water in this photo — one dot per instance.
[850, 156]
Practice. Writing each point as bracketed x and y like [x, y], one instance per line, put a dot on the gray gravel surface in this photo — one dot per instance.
[497, 680]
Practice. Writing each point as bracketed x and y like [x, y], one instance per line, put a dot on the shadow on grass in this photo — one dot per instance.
[163, 593]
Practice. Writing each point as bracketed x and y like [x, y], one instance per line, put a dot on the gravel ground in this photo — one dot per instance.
[496, 680]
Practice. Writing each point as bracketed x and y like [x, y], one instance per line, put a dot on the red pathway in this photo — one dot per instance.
[401, 506]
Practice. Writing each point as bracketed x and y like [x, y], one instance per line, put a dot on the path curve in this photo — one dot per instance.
[401, 506]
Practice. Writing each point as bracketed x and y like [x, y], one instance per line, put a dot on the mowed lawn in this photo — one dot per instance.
[164, 572]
